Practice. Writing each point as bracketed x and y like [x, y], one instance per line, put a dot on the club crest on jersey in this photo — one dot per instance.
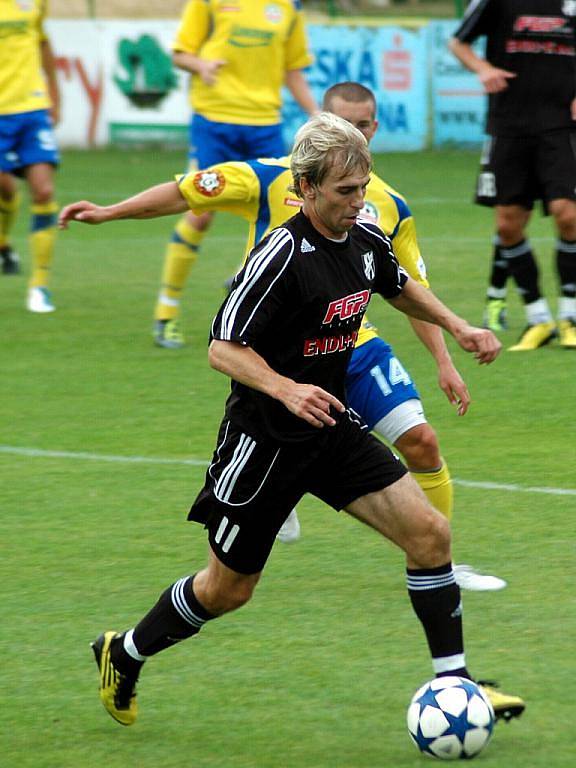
[273, 13]
[369, 211]
[369, 270]
[347, 306]
[569, 8]
[210, 183]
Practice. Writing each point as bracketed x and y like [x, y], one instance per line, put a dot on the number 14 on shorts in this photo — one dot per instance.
[396, 374]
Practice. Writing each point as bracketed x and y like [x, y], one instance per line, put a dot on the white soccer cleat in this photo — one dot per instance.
[290, 531]
[39, 300]
[468, 578]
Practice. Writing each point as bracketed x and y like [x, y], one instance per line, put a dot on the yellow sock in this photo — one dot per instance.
[8, 213]
[42, 239]
[179, 257]
[438, 489]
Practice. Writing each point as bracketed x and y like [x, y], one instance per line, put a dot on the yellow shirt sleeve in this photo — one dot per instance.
[405, 244]
[231, 187]
[194, 27]
[297, 53]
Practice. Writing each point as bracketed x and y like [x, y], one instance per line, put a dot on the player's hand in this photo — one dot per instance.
[83, 211]
[494, 79]
[208, 70]
[573, 109]
[480, 341]
[312, 404]
[454, 387]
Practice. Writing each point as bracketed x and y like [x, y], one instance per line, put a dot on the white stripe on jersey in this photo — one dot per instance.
[229, 476]
[379, 234]
[253, 271]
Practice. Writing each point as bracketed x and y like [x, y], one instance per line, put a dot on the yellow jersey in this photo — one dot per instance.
[260, 40]
[259, 191]
[22, 83]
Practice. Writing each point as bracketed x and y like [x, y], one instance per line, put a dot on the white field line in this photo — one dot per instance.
[86, 456]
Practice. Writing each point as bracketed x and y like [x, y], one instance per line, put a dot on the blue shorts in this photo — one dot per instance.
[377, 382]
[212, 142]
[27, 138]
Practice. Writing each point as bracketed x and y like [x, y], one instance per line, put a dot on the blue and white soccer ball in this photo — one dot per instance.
[450, 718]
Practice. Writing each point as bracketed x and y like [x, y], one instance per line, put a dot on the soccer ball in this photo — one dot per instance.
[450, 718]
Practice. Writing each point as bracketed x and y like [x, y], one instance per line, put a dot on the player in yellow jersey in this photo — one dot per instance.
[240, 54]
[29, 105]
[379, 387]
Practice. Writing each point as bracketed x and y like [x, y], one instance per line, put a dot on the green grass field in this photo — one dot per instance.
[317, 671]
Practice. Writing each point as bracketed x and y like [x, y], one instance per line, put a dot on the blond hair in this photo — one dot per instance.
[324, 141]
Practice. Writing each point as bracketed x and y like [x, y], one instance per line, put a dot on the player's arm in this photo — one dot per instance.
[243, 364]
[49, 67]
[192, 32]
[493, 78]
[161, 200]
[449, 380]
[300, 90]
[418, 302]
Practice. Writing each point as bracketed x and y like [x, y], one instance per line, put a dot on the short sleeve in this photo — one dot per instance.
[232, 187]
[477, 21]
[194, 27]
[298, 55]
[259, 291]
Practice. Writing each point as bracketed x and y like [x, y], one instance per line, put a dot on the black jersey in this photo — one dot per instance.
[536, 39]
[298, 302]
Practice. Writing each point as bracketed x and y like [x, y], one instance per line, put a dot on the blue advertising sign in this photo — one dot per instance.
[391, 61]
[458, 102]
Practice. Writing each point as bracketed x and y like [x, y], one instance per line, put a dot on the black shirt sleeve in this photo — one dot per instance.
[478, 21]
[259, 291]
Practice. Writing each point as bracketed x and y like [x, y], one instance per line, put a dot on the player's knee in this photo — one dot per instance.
[420, 449]
[431, 545]
[564, 213]
[200, 223]
[219, 598]
[510, 230]
[42, 193]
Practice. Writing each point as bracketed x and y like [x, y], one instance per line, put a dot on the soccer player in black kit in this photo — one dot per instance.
[284, 335]
[529, 74]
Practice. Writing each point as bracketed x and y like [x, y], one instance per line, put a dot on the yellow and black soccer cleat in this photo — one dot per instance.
[534, 337]
[167, 334]
[505, 706]
[567, 332]
[117, 691]
[495, 315]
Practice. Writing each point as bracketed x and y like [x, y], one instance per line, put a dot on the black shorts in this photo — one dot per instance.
[252, 484]
[517, 170]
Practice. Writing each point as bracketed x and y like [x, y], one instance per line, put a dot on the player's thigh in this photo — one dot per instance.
[262, 141]
[556, 165]
[402, 514]
[381, 390]
[37, 141]
[351, 464]
[507, 173]
[211, 143]
[251, 487]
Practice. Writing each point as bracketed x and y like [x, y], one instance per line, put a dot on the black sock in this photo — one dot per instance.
[436, 601]
[566, 267]
[498, 274]
[176, 616]
[523, 268]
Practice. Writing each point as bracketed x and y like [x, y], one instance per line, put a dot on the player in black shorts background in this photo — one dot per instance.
[284, 336]
[529, 74]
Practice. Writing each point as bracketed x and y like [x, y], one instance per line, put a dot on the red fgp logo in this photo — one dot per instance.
[539, 23]
[347, 306]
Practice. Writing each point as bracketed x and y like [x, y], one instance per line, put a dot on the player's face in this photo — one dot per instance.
[334, 205]
[360, 114]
